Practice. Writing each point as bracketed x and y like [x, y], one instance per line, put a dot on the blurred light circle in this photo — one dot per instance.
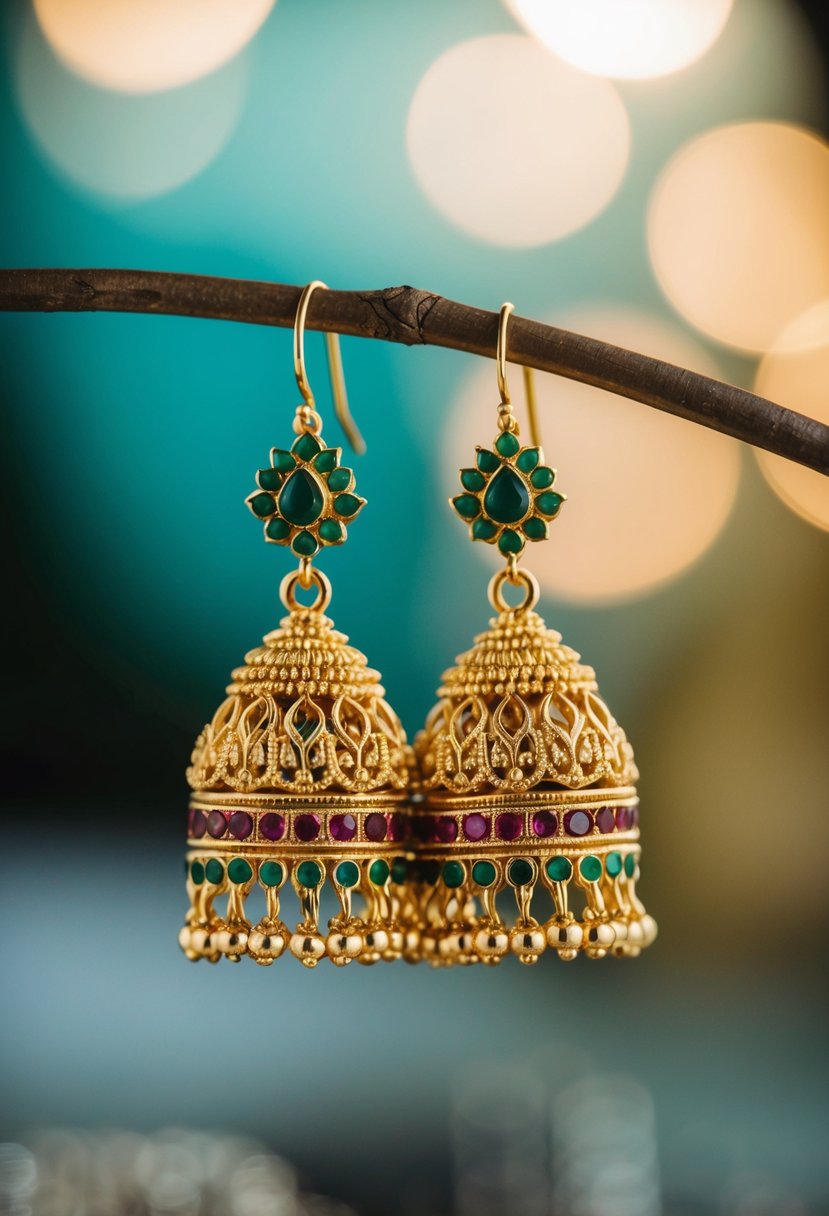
[513, 145]
[625, 38]
[126, 146]
[795, 373]
[738, 231]
[140, 46]
[647, 493]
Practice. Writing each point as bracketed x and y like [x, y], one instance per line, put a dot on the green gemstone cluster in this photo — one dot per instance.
[305, 498]
[507, 498]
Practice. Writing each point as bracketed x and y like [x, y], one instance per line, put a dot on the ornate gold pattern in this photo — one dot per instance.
[304, 714]
[306, 740]
[519, 709]
[528, 785]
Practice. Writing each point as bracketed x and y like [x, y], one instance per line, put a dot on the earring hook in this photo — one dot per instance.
[335, 369]
[505, 410]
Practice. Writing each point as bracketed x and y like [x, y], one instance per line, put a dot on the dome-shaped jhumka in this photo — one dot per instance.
[527, 785]
[301, 777]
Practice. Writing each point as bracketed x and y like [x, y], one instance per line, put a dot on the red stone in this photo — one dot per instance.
[307, 827]
[578, 823]
[216, 824]
[446, 829]
[198, 824]
[475, 826]
[509, 825]
[605, 820]
[342, 827]
[241, 825]
[375, 826]
[272, 826]
[545, 823]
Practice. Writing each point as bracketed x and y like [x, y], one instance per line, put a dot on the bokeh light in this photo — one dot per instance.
[637, 38]
[140, 46]
[738, 232]
[795, 373]
[514, 146]
[125, 146]
[647, 492]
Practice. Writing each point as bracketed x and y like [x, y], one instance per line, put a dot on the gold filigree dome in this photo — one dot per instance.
[520, 709]
[304, 715]
[306, 655]
[518, 653]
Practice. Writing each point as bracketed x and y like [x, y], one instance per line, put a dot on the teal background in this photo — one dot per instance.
[136, 578]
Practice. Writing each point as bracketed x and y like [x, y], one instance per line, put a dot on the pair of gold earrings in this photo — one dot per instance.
[511, 826]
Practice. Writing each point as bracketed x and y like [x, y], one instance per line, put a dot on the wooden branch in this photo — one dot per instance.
[414, 317]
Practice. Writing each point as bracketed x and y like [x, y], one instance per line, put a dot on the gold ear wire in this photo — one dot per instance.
[335, 370]
[501, 375]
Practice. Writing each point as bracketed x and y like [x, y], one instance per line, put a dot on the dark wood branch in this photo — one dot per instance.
[414, 317]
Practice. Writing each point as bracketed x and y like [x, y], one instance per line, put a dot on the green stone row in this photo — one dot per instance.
[309, 874]
[521, 871]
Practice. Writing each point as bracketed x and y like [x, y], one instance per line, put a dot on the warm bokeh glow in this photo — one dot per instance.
[140, 46]
[795, 373]
[125, 147]
[625, 38]
[647, 492]
[738, 230]
[513, 145]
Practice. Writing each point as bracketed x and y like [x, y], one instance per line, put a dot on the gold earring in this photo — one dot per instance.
[527, 780]
[302, 775]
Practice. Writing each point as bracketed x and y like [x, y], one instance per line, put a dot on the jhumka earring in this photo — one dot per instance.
[527, 781]
[303, 773]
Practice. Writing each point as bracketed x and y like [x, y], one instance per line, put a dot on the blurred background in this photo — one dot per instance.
[655, 173]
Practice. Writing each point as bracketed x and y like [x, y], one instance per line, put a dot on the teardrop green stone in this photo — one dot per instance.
[300, 500]
[507, 499]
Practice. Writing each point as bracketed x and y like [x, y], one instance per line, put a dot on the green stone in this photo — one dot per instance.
[487, 462]
[331, 531]
[559, 869]
[613, 864]
[471, 479]
[521, 872]
[378, 872]
[549, 503]
[347, 874]
[507, 444]
[262, 505]
[534, 528]
[327, 460]
[301, 498]
[453, 874]
[429, 872]
[269, 479]
[484, 873]
[307, 446]
[630, 865]
[277, 529]
[282, 461]
[590, 868]
[528, 460]
[271, 873]
[510, 542]
[507, 498]
[399, 870]
[483, 529]
[197, 872]
[348, 504]
[542, 477]
[214, 871]
[239, 871]
[466, 506]
[340, 479]
[309, 874]
[305, 545]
